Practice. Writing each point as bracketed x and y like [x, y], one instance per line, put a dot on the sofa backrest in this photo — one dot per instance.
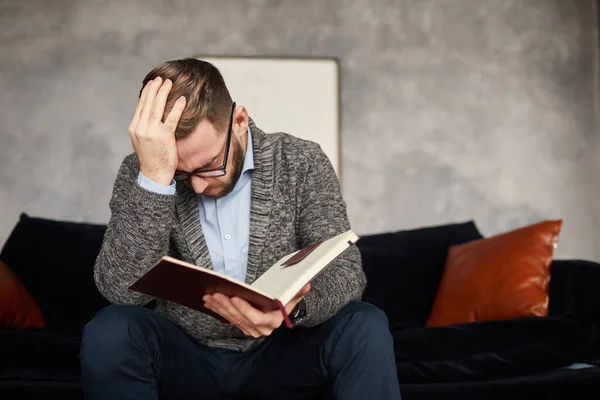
[404, 269]
[55, 261]
[575, 289]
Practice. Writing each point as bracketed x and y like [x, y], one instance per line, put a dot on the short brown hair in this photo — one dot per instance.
[204, 89]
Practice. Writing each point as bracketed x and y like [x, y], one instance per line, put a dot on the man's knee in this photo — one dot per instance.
[113, 325]
[112, 333]
[366, 321]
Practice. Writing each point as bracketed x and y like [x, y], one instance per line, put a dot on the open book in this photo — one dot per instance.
[184, 283]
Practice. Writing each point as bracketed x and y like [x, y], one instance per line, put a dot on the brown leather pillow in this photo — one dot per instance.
[500, 277]
[17, 308]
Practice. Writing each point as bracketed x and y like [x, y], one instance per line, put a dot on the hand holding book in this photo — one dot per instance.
[276, 291]
[251, 321]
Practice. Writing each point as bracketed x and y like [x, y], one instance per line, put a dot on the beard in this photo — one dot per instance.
[236, 170]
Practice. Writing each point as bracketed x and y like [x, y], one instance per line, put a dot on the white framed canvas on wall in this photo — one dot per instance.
[299, 96]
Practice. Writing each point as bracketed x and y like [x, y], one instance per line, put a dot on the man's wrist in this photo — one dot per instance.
[155, 187]
[159, 177]
[299, 312]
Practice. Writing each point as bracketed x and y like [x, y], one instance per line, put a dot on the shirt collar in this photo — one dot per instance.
[249, 157]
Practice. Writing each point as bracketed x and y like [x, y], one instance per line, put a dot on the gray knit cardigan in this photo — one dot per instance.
[295, 201]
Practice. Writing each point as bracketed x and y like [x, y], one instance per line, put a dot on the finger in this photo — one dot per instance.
[148, 104]
[243, 322]
[289, 307]
[228, 309]
[158, 109]
[219, 310]
[138, 109]
[175, 114]
[239, 318]
[213, 305]
[264, 322]
[304, 291]
[219, 303]
[294, 302]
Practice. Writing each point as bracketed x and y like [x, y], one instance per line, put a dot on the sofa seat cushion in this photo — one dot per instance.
[39, 354]
[491, 349]
[557, 384]
[29, 375]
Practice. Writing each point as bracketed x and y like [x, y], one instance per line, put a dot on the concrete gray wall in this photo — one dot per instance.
[451, 109]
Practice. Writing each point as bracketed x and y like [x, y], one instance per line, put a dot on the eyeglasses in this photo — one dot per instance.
[212, 172]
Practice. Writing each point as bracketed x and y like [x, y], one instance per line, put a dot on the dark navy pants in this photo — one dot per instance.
[131, 352]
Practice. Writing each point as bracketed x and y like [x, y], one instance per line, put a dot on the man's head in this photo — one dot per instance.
[203, 131]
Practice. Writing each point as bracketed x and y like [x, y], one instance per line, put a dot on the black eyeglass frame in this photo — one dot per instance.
[181, 176]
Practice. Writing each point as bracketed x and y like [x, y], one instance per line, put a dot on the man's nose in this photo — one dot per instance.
[199, 184]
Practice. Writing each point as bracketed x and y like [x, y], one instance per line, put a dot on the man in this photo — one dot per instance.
[207, 186]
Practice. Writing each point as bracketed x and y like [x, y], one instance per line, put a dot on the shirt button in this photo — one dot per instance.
[227, 236]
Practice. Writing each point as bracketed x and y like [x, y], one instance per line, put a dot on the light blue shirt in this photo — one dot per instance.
[225, 221]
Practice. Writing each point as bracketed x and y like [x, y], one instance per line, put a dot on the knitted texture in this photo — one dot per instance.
[295, 201]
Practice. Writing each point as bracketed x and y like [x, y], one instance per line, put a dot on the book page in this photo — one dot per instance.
[283, 282]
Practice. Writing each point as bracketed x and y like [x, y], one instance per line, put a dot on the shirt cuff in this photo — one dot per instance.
[152, 186]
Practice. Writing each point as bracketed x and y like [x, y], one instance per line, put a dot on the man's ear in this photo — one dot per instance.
[240, 121]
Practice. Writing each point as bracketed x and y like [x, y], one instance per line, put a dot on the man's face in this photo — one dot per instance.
[205, 148]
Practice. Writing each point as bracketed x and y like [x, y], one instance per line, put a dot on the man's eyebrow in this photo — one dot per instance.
[211, 162]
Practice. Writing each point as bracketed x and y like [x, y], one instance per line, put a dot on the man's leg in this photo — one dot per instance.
[130, 352]
[352, 354]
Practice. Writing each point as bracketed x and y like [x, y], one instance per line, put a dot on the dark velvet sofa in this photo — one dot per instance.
[553, 357]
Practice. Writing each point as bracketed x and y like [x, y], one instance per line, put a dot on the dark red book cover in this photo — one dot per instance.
[170, 280]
